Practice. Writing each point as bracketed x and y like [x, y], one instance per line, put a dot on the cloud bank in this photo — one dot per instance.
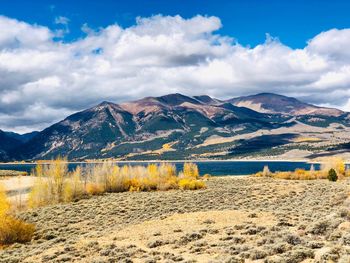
[42, 79]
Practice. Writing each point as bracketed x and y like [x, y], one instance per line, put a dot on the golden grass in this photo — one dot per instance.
[10, 173]
[190, 184]
[93, 189]
[307, 139]
[4, 203]
[300, 174]
[12, 230]
[51, 184]
[55, 184]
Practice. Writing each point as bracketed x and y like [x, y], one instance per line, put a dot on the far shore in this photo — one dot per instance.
[175, 161]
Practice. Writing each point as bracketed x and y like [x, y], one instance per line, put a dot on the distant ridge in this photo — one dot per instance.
[274, 103]
[176, 126]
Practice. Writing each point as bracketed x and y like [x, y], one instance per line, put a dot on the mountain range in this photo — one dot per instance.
[176, 126]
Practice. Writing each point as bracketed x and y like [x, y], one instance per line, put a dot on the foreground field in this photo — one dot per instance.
[233, 220]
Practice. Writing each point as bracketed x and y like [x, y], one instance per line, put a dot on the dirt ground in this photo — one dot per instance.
[236, 219]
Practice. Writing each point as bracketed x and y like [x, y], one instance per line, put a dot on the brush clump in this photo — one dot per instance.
[12, 230]
[55, 184]
[331, 169]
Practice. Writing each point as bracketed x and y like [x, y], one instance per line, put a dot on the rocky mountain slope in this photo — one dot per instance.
[23, 138]
[7, 143]
[180, 127]
[10, 141]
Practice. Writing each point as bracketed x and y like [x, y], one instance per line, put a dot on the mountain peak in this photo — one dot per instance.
[268, 93]
[105, 103]
[207, 99]
[154, 104]
[268, 96]
[176, 99]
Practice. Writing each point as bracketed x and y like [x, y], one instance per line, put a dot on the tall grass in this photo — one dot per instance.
[301, 174]
[188, 180]
[51, 183]
[4, 203]
[54, 184]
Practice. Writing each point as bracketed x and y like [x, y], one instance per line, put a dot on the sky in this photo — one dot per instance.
[59, 57]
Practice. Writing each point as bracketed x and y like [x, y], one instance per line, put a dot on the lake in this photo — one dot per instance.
[215, 168]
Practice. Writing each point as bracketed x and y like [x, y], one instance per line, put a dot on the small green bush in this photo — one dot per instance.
[332, 175]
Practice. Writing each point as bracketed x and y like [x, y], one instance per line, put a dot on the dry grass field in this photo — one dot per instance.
[235, 219]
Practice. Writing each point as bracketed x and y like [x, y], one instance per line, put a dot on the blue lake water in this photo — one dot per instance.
[215, 168]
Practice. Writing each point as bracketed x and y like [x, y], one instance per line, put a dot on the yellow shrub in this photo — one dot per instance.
[340, 166]
[206, 177]
[336, 163]
[50, 182]
[94, 189]
[167, 177]
[191, 170]
[40, 194]
[15, 231]
[4, 203]
[321, 175]
[55, 184]
[190, 184]
[170, 183]
[258, 174]
[170, 169]
[147, 184]
[74, 186]
[114, 180]
[56, 172]
[12, 230]
[153, 170]
[347, 173]
[300, 172]
[38, 171]
[134, 184]
[105, 174]
[282, 175]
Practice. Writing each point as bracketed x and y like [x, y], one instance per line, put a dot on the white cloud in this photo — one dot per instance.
[62, 20]
[43, 80]
[15, 34]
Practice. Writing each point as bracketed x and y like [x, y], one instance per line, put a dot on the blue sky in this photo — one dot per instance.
[293, 22]
[59, 57]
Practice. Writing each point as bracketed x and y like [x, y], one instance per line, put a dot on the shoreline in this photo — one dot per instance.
[175, 161]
